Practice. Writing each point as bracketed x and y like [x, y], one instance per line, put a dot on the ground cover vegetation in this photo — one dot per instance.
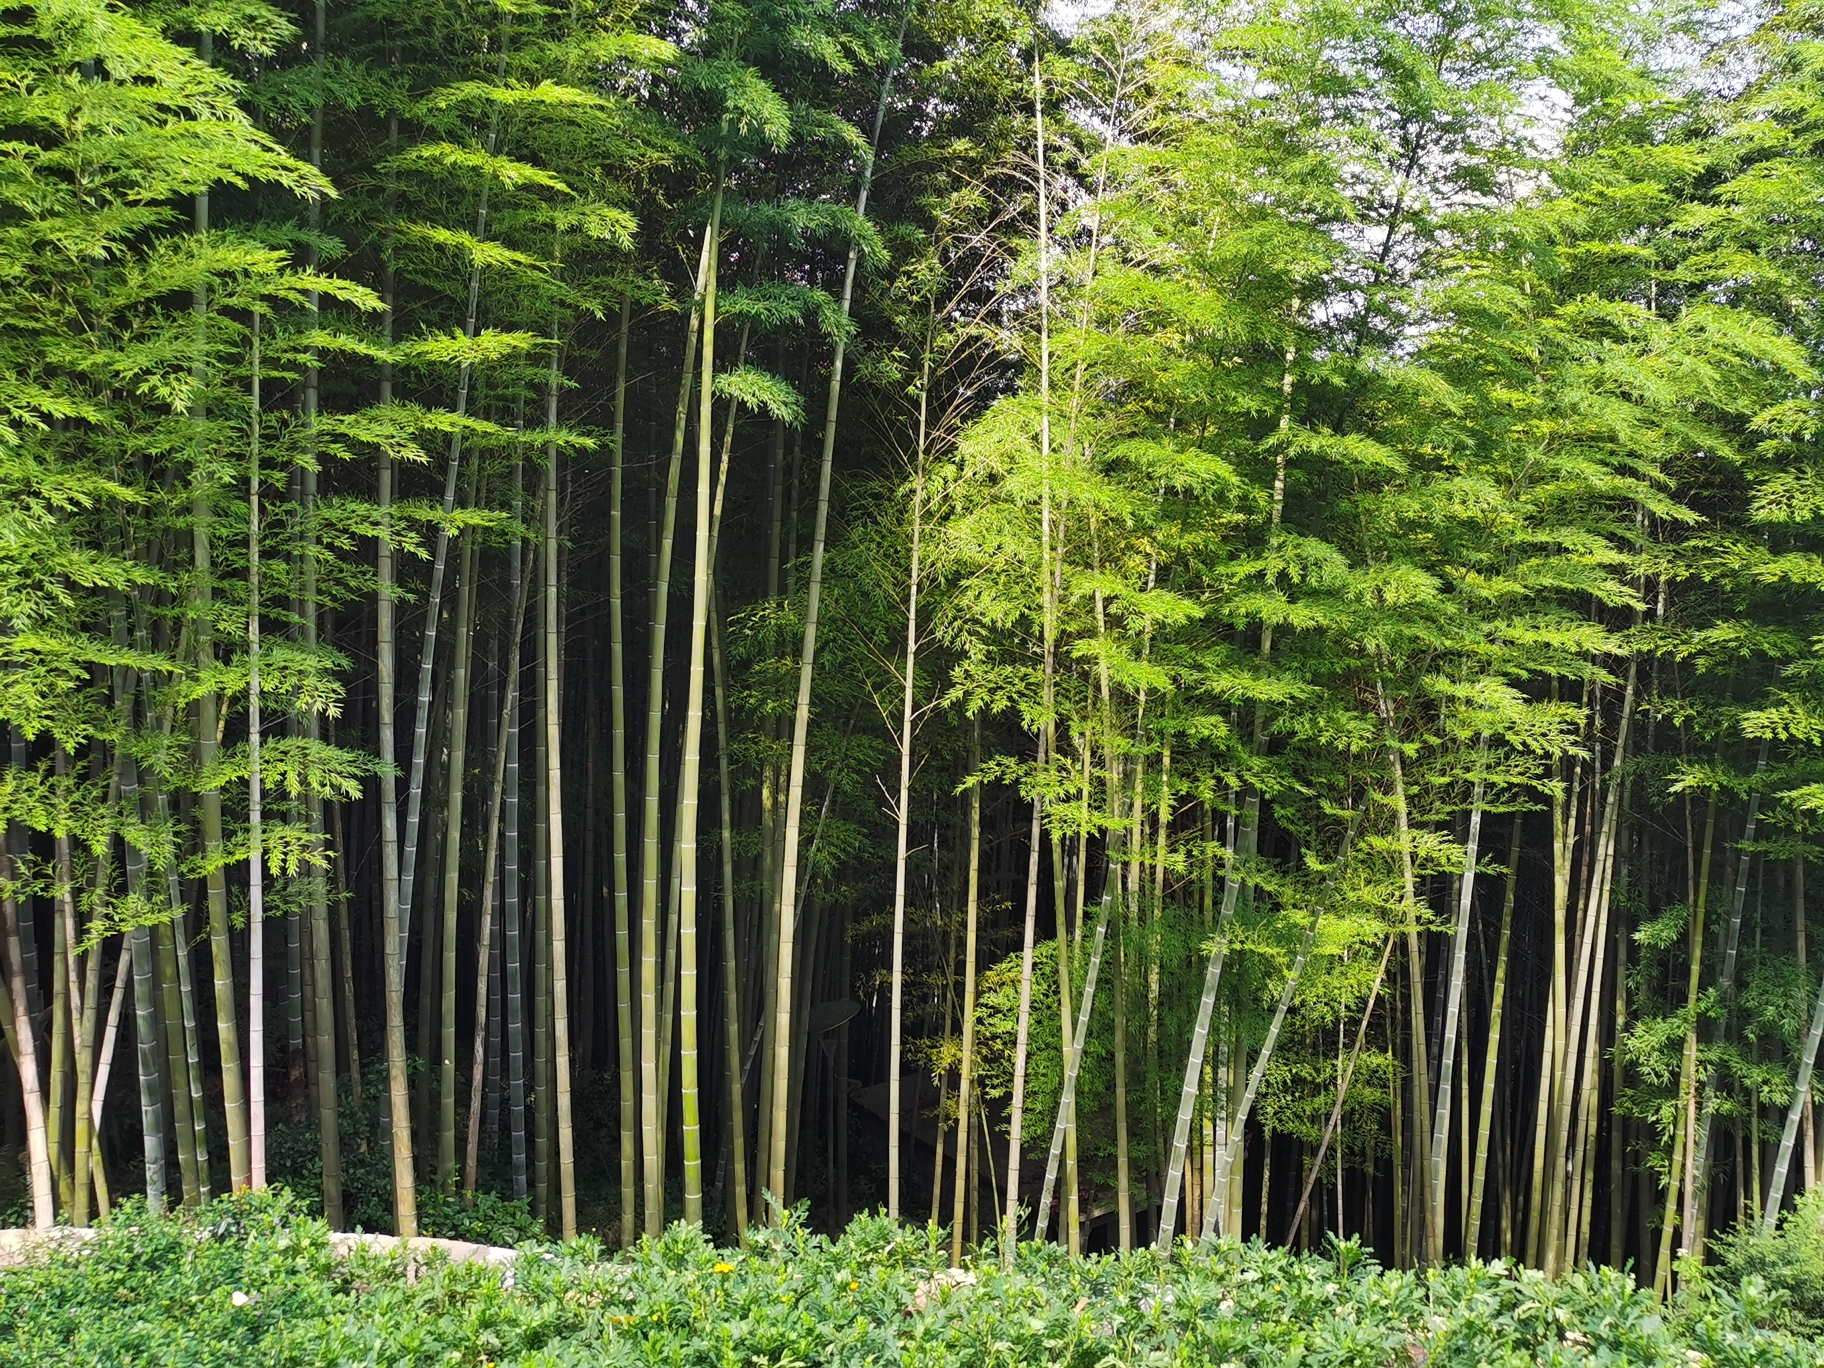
[1164, 620]
[249, 1281]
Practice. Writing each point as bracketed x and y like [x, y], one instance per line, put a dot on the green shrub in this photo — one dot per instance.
[1782, 1274]
[492, 1220]
[163, 1291]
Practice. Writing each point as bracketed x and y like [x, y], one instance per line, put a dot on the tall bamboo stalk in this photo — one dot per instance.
[1801, 1092]
[554, 830]
[1009, 1231]
[44, 1206]
[512, 990]
[228, 1039]
[397, 1101]
[1342, 1090]
[1073, 1066]
[1238, 1123]
[1472, 1225]
[345, 957]
[1725, 985]
[787, 901]
[484, 932]
[690, 764]
[966, 1071]
[440, 556]
[138, 946]
[617, 704]
[452, 872]
[902, 839]
[652, 1146]
[732, 1017]
[1453, 1004]
[1200, 1032]
[1687, 1075]
[256, 883]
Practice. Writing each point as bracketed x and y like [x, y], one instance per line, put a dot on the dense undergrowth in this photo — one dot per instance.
[253, 1281]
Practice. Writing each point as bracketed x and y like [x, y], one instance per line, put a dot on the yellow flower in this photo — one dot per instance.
[854, 1287]
[725, 1268]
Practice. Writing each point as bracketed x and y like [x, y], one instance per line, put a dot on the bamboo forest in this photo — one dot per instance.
[1149, 625]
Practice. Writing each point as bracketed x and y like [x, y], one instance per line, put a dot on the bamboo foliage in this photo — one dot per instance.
[1217, 446]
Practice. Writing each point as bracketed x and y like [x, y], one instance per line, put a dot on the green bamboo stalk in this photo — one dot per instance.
[177, 1065]
[191, 1036]
[80, 1012]
[44, 1207]
[966, 1071]
[540, 1094]
[617, 704]
[329, 1147]
[801, 716]
[690, 766]
[138, 944]
[512, 980]
[1453, 1005]
[902, 839]
[731, 1004]
[1073, 1063]
[484, 932]
[554, 829]
[398, 1097]
[209, 805]
[345, 960]
[227, 1027]
[1491, 1060]
[452, 870]
[1687, 1074]
[320, 976]
[57, 1113]
[104, 1057]
[439, 558]
[1238, 1124]
[397, 1101]
[1009, 1226]
[1582, 1023]
[171, 999]
[652, 1099]
[256, 882]
[1200, 1031]
[1725, 985]
[731, 998]
[1801, 1093]
[1342, 1089]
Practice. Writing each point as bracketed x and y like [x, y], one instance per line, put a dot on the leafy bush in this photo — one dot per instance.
[251, 1281]
[1781, 1275]
[493, 1220]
